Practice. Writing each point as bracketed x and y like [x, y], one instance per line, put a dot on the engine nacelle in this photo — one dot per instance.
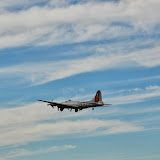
[76, 110]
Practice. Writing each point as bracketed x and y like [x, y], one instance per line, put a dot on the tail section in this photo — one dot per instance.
[98, 97]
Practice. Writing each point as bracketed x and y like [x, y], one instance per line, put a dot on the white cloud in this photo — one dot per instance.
[38, 112]
[17, 4]
[24, 152]
[148, 60]
[36, 121]
[121, 112]
[24, 133]
[136, 96]
[153, 88]
[26, 124]
[77, 23]
[62, 3]
[43, 72]
[22, 4]
[125, 99]
[31, 113]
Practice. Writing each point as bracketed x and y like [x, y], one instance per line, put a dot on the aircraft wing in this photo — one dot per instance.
[60, 105]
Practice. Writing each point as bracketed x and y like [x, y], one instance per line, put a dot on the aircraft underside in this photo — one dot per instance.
[75, 109]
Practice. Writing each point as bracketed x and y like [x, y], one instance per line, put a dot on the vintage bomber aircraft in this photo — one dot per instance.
[77, 106]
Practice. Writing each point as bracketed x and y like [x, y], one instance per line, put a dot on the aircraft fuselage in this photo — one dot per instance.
[76, 105]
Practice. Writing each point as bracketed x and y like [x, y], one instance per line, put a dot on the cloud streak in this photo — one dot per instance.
[137, 95]
[19, 130]
[24, 152]
[98, 36]
[43, 72]
[35, 122]
[133, 98]
[49, 25]
[38, 112]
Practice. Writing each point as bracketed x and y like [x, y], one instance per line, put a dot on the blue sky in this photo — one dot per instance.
[69, 49]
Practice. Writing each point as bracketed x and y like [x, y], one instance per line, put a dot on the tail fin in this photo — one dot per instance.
[98, 97]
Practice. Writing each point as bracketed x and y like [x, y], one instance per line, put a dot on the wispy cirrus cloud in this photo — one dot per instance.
[91, 20]
[126, 96]
[30, 126]
[139, 96]
[17, 4]
[28, 113]
[24, 4]
[116, 34]
[37, 132]
[43, 72]
[36, 122]
[135, 98]
[24, 152]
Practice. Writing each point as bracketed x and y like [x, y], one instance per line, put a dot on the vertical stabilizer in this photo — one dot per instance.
[98, 97]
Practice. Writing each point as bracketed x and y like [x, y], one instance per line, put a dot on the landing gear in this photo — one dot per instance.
[92, 108]
[61, 109]
[52, 106]
[76, 110]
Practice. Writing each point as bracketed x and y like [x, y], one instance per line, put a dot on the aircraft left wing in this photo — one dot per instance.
[60, 105]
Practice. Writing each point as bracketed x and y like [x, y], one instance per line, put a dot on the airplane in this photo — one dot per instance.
[78, 106]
